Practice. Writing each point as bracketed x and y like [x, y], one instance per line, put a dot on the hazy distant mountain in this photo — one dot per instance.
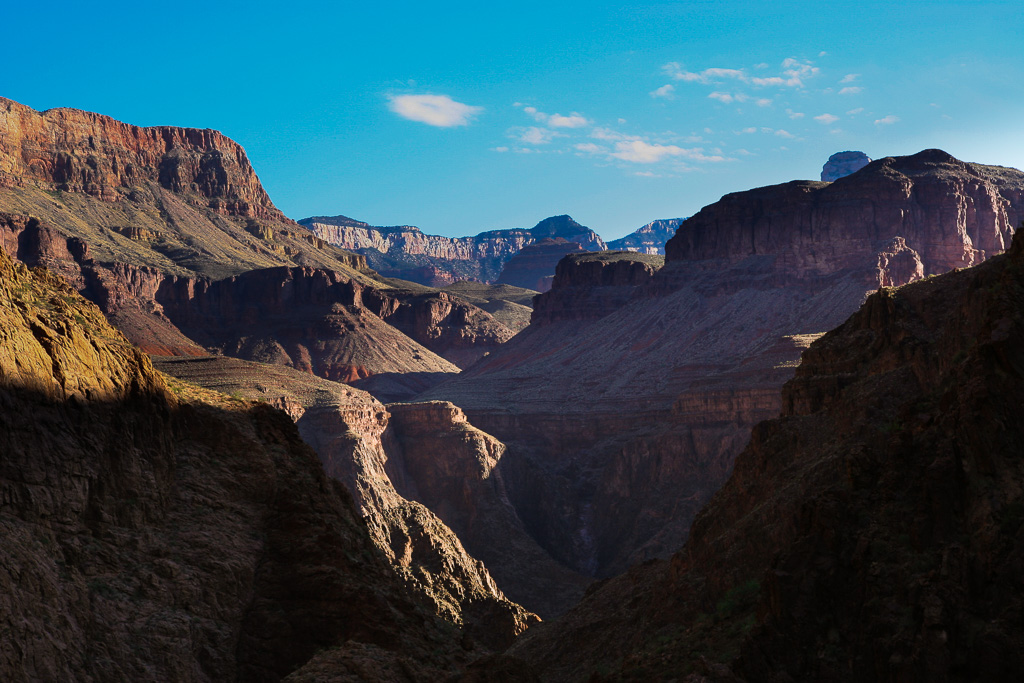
[405, 252]
[650, 239]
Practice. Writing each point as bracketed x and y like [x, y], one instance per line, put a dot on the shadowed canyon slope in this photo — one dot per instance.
[169, 228]
[625, 402]
[875, 531]
[163, 532]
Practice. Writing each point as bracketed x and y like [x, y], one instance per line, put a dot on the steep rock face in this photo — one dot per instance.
[659, 394]
[842, 164]
[534, 266]
[872, 532]
[163, 533]
[150, 211]
[78, 151]
[590, 286]
[952, 213]
[649, 239]
[346, 428]
[439, 459]
[405, 252]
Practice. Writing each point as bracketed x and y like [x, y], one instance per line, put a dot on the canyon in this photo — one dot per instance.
[871, 532]
[625, 402]
[257, 455]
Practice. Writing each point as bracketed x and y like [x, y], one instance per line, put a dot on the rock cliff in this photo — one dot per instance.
[872, 532]
[534, 266]
[162, 223]
[649, 239]
[842, 164]
[157, 531]
[406, 252]
[76, 151]
[347, 428]
[631, 421]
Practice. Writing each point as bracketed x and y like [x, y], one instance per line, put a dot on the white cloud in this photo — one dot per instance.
[641, 152]
[723, 97]
[664, 91]
[854, 112]
[573, 120]
[533, 135]
[589, 148]
[764, 102]
[500, 149]
[822, 53]
[433, 110]
[849, 78]
[795, 114]
[747, 131]
[827, 119]
[785, 134]
[887, 120]
[850, 90]
[675, 71]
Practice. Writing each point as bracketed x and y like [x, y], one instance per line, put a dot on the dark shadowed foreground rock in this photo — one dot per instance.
[875, 531]
[164, 532]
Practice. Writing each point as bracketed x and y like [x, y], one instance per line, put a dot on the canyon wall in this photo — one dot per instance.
[872, 532]
[623, 407]
[157, 531]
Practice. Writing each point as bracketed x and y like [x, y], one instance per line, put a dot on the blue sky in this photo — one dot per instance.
[464, 117]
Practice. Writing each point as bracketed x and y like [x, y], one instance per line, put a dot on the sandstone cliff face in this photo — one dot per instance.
[169, 222]
[649, 239]
[346, 427]
[632, 420]
[873, 532]
[405, 252]
[78, 151]
[156, 532]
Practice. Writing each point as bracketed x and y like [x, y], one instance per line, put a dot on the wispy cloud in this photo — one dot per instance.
[854, 112]
[640, 152]
[533, 135]
[664, 91]
[794, 114]
[827, 119]
[573, 120]
[849, 78]
[794, 73]
[433, 110]
[851, 90]
[887, 120]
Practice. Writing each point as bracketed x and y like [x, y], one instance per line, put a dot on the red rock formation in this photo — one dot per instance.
[156, 532]
[78, 151]
[872, 532]
[620, 428]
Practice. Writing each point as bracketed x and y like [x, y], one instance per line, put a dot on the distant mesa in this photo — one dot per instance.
[534, 266]
[842, 164]
[650, 239]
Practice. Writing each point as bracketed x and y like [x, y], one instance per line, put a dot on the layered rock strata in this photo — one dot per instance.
[872, 532]
[620, 425]
[162, 223]
[346, 427]
[406, 252]
[156, 531]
